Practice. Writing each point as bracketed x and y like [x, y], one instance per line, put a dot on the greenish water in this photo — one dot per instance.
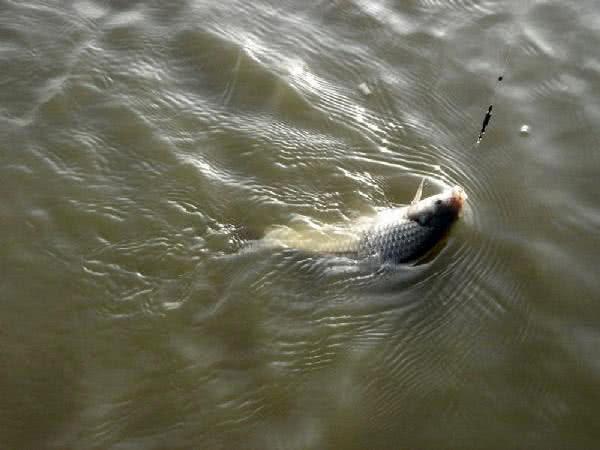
[143, 143]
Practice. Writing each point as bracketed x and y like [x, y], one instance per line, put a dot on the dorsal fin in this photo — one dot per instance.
[419, 192]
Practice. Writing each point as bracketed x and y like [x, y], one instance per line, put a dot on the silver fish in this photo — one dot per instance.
[400, 235]
[395, 235]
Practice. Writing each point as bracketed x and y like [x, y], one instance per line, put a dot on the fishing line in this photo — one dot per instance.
[488, 114]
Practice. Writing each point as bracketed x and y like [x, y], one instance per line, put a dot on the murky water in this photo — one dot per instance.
[142, 144]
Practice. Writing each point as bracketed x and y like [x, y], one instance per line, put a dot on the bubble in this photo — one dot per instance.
[364, 88]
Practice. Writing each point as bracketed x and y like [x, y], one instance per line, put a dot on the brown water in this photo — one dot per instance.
[142, 143]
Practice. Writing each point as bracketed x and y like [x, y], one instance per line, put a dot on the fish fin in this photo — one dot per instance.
[419, 192]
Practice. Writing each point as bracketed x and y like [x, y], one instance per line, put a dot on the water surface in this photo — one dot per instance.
[143, 143]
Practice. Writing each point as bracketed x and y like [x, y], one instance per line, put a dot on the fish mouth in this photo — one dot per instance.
[458, 197]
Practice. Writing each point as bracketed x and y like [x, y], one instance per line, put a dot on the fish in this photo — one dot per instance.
[393, 236]
[401, 235]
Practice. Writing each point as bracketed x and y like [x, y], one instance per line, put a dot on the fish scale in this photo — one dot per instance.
[398, 242]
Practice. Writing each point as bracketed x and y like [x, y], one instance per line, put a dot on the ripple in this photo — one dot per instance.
[150, 147]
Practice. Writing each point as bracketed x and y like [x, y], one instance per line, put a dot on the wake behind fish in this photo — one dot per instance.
[308, 235]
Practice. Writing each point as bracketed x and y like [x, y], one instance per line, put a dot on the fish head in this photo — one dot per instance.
[439, 210]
